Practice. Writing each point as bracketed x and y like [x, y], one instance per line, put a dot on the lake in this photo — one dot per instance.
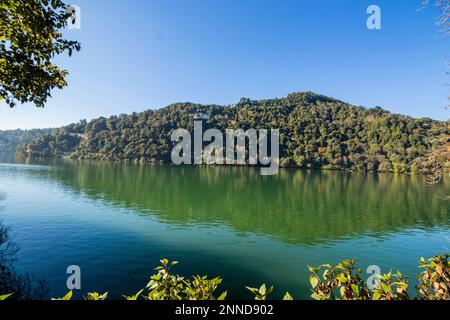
[116, 221]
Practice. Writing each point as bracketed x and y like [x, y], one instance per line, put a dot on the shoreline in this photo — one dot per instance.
[140, 162]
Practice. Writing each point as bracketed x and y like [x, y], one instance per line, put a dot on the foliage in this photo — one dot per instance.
[30, 38]
[10, 140]
[288, 297]
[315, 132]
[391, 287]
[5, 296]
[443, 20]
[134, 297]
[55, 143]
[167, 286]
[68, 296]
[342, 281]
[434, 281]
[96, 296]
[438, 160]
[344, 278]
[92, 296]
[262, 293]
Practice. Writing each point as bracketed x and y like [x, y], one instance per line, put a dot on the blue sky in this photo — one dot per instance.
[146, 54]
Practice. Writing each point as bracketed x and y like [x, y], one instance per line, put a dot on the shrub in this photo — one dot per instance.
[166, 286]
[262, 293]
[342, 281]
[391, 287]
[434, 281]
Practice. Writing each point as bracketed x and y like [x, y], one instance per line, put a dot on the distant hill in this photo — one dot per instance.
[11, 139]
[316, 132]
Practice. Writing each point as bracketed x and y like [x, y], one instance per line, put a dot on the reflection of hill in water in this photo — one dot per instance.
[299, 207]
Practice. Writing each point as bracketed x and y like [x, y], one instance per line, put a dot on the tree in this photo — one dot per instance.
[30, 38]
[443, 20]
[439, 159]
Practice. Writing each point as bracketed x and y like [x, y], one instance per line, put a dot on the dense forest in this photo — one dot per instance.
[315, 132]
[10, 140]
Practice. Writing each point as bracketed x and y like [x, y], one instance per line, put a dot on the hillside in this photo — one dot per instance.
[11, 139]
[316, 132]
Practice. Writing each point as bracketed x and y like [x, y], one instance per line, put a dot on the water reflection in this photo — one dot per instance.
[21, 285]
[295, 206]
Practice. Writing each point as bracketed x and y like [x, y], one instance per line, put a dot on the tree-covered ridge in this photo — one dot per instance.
[315, 132]
[10, 140]
[59, 142]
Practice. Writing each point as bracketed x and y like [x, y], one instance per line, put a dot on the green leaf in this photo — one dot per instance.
[96, 296]
[313, 280]
[252, 290]
[385, 288]
[222, 296]
[262, 289]
[269, 291]
[355, 289]
[313, 269]
[287, 296]
[342, 291]
[103, 296]
[316, 296]
[135, 297]
[164, 262]
[68, 296]
[6, 296]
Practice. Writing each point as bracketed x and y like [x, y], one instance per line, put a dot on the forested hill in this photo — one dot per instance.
[316, 132]
[11, 139]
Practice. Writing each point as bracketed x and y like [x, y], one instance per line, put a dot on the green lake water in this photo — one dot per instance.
[116, 221]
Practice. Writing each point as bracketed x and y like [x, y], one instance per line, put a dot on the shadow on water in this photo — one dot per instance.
[295, 206]
[22, 285]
